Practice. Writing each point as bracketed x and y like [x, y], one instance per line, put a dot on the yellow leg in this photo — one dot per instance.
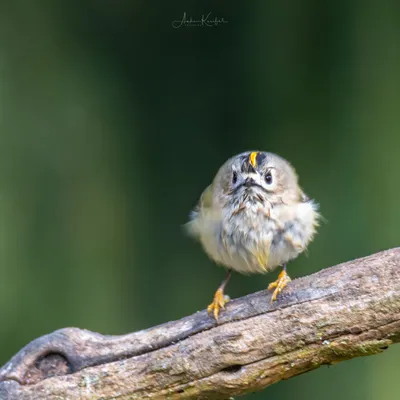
[220, 299]
[279, 284]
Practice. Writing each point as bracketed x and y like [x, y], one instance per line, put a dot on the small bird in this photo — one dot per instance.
[253, 218]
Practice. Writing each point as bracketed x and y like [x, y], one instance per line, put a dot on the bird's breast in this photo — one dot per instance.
[258, 239]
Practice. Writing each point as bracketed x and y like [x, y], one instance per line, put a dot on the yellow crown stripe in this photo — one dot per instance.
[253, 158]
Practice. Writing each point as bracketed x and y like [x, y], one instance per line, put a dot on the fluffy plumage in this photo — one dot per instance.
[254, 216]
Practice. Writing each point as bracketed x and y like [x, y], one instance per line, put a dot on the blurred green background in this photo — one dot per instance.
[112, 122]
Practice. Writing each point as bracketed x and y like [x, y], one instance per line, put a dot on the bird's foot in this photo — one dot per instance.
[279, 284]
[218, 303]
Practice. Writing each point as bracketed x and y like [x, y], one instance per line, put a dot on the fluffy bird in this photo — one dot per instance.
[253, 218]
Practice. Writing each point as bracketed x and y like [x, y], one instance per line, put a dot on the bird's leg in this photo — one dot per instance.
[220, 299]
[280, 283]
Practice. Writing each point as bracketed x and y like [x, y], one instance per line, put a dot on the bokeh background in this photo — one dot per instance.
[112, 122]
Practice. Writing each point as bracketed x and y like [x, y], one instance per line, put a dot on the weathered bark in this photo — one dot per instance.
[342, 312]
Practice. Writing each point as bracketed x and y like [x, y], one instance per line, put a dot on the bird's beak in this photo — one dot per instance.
[249, 182]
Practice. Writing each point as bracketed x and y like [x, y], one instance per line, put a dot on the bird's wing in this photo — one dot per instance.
[203, 204]
[304, 197]
[206, 198]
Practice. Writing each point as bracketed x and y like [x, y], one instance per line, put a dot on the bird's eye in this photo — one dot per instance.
[234, 177]
[268, 178]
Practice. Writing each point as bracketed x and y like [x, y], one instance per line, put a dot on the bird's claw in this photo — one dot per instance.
[279, 284]
[218, 303]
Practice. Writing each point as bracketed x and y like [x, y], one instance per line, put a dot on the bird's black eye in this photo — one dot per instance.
[268, 178]
[234, 177]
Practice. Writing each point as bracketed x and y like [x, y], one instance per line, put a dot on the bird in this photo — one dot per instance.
[253, 218]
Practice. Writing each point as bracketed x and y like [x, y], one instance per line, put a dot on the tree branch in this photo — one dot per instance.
[342, 312]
